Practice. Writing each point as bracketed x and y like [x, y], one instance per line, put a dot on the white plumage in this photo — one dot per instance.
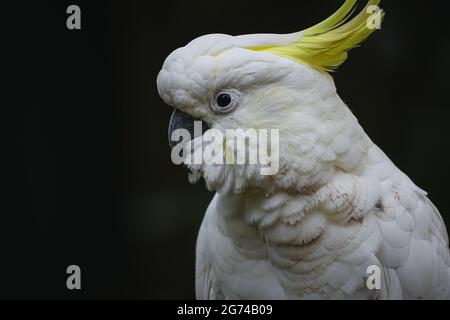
[337, 204]
[258, 247]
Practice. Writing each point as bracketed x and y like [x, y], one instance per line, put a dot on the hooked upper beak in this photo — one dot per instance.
[181, 120]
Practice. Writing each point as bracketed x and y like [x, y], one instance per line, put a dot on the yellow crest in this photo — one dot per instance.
[325, 45]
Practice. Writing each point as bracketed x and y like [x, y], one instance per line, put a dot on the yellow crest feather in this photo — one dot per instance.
[325, 45]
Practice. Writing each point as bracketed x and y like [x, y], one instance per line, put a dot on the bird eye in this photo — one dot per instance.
[225, 101]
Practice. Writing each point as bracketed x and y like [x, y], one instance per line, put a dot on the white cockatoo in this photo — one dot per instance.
[338, 220]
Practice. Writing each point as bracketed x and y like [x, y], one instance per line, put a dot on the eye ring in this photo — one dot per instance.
[225, 101]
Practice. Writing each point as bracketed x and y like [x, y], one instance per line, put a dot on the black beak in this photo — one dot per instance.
[180, 120]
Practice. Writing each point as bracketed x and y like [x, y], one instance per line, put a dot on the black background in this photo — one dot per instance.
[88, 178]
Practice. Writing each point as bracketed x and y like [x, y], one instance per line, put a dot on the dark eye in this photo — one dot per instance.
[225, 101]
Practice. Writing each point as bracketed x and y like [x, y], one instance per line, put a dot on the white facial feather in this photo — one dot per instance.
[317, 131]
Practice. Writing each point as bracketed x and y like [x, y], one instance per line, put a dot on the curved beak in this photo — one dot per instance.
[181, 120]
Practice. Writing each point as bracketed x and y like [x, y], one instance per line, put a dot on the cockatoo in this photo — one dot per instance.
[338, 212]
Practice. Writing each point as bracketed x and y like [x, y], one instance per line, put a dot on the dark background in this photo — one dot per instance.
[88, 178]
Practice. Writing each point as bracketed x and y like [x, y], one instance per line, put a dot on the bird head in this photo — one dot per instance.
[270, 82]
